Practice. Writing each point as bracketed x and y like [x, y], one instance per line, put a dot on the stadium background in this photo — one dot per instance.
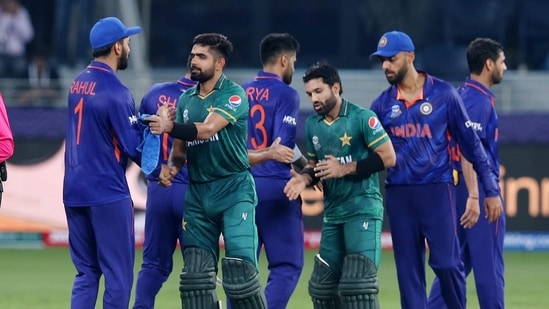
[344, 33]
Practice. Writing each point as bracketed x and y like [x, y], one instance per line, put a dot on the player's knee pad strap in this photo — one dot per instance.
[323, 285]
[197, 280]
[358, 286]
[241, 284]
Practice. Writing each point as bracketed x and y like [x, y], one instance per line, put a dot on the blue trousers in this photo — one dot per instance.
[481, 251]
[420, 214]
[102, 243]
[163, 229]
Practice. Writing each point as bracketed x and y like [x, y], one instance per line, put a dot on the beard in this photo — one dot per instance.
[201, 76]
[497, 77]
[327, 107]
[123, 60]
[399, 76]
[287, 76]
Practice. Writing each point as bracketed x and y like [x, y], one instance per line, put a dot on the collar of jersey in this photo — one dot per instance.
[268, 75]
[480, 87]
[186, 82]
[96, 65]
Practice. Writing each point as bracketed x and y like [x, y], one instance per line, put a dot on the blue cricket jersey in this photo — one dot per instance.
[159, 94]
[420, 132]
[479, 102]
[274, 108]
[102, 134]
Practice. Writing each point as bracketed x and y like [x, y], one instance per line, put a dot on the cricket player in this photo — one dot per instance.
[164, 209]
[482, 244]
[419, 112]
[346, 148]
[274, 108]
[102, 134]
[210, 133]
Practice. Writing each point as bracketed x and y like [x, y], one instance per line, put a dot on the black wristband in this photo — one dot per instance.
[311, 172]
[372, 164]
[184, 131]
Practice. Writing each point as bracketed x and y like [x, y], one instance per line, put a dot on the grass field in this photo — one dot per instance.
[42, 279]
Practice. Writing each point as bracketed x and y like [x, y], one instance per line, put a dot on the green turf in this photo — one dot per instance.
[42, 278]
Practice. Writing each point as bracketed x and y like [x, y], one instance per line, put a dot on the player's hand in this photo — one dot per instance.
[280, 152]
[159, 125]
[329, 168]
[471, 214]
[493, 208]
[295, 185]
[167, 173]
[166, 112]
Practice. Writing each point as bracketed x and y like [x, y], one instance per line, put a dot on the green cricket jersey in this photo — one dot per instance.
[224, 153]
[351, 137]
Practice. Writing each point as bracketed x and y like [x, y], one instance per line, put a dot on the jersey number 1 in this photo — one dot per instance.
[78, 109]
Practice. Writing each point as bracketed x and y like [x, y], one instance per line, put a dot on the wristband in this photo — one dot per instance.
[311, 172]
[184, 131]
[372, 164]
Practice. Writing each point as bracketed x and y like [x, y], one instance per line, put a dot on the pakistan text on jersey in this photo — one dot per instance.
[83, 87]
[412, 130]
[343, 160]
[214, 138]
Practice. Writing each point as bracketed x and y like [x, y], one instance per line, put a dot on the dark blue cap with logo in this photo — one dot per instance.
[109, 30]
[392, 43]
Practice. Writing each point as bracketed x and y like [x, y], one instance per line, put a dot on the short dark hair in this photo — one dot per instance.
[215, 41]
[105, 50]
[323, 70]
[480, 50]
[275, 44]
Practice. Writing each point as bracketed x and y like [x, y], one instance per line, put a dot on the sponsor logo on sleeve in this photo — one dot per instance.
[234, 102]
[289, 120]
[375, 125]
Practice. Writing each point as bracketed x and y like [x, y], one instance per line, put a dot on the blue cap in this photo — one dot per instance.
[392, 43]
[108, 30]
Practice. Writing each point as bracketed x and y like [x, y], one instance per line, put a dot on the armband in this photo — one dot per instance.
[311, 172]
[184, 131]
[372, 164]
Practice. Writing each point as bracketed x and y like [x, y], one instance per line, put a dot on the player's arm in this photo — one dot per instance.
[276, 151]
[472, 208]
[299, 161]
[188, 131]
[301, 180]
[472, 150]
[176, 161]
[381, 158]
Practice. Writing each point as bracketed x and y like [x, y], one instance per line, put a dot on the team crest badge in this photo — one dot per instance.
[235, 101]
[426, 108]
[186, 116]
[382, 42]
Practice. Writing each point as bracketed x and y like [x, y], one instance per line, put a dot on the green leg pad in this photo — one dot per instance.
[241, 284]
[358, 287]
[323, 286]
[197, 280]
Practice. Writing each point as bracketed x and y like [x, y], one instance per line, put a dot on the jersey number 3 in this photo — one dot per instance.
[259, 127]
